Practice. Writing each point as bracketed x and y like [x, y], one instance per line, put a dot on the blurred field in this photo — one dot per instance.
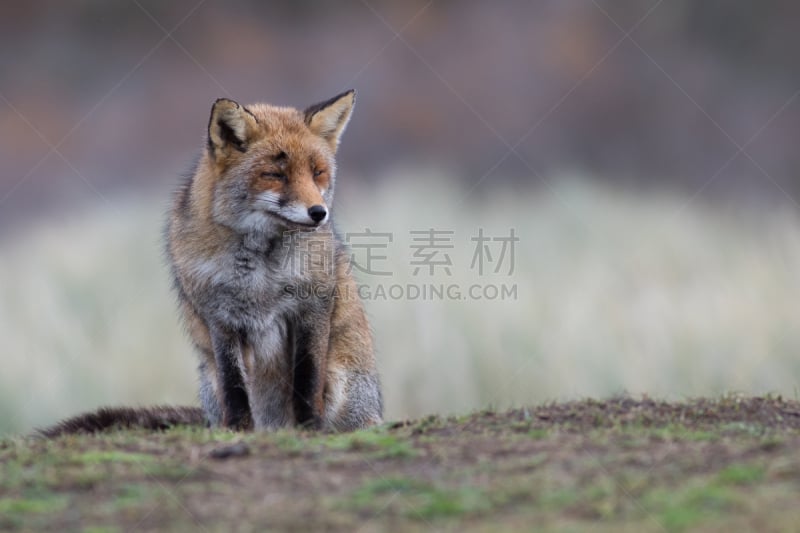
[615, 292]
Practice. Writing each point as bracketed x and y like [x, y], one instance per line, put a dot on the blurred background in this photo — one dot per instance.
[644, 153]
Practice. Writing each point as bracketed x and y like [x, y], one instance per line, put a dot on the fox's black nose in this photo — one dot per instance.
[317, 212]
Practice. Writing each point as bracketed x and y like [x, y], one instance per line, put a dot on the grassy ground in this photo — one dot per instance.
[616, 465]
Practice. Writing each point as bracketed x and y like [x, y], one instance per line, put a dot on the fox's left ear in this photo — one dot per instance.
[329, 118]
[231, 128]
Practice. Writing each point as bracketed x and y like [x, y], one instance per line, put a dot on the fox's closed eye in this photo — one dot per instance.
[274, 176]
[318, 173]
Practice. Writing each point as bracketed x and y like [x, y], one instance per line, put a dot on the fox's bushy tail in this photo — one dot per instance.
[106, 418]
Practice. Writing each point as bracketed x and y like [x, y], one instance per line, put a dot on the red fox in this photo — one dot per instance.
[262, 279]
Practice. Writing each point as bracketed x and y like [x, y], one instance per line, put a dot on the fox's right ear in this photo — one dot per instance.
[230, 127]
[328, 119]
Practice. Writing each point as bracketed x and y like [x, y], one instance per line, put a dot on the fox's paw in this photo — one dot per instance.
[241, 421]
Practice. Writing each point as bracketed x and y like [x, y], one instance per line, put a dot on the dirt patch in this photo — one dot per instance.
[614, 465]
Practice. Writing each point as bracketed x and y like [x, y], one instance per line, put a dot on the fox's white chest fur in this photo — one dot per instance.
[254, 289]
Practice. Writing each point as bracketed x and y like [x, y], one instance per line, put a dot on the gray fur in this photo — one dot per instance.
[363, 404]
[208, 398]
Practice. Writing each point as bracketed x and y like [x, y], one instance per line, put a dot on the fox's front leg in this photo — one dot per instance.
[233, 399]
[310, 336]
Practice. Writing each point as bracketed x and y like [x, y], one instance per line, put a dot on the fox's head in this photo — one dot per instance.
[274, 167]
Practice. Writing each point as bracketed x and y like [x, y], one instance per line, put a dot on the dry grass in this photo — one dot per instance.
[616, 292]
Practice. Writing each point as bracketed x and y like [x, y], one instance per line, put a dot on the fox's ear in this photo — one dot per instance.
[230, 127]
[329, 118]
